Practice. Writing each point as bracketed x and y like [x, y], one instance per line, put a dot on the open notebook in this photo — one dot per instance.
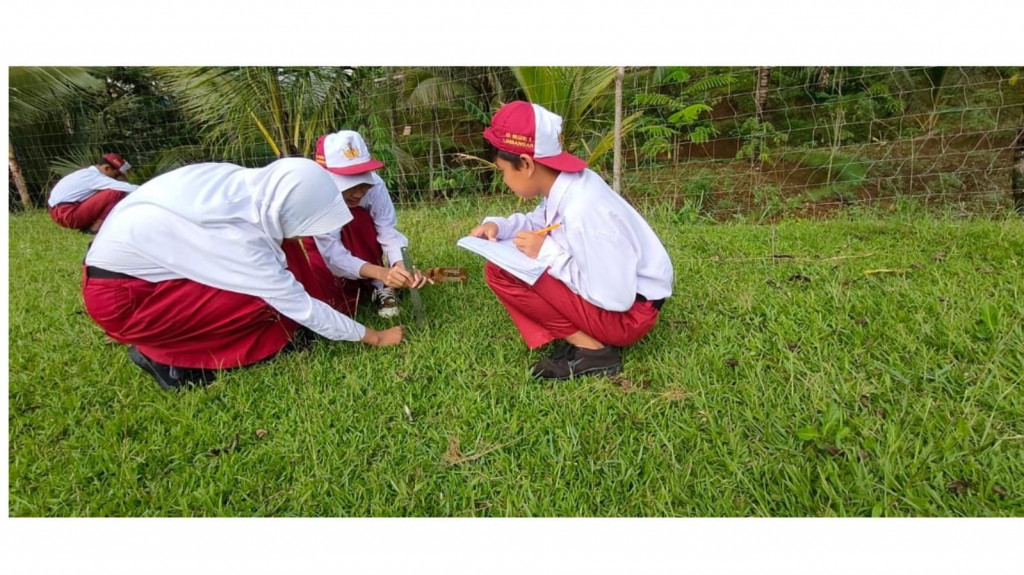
[505, 255]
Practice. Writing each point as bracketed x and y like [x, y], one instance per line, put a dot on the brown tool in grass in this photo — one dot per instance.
[446, 275]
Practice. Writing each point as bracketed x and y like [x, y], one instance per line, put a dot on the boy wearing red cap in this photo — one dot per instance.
[355, 254]
[607, 273]
[82, 199]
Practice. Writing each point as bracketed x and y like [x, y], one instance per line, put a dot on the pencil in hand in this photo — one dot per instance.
[544, 231]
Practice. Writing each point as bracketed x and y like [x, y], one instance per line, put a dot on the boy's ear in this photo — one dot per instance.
[527, 162]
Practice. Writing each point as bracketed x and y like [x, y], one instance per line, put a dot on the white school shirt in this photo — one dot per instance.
[79, 185]
[377, 201]
[221, 225]
[604, 251]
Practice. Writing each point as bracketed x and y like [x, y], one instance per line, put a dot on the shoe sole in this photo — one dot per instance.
[615, 370]
[138, 359]
[388, 312]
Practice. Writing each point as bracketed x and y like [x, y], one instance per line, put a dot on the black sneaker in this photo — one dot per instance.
[169, 377]
[576, 361]
[560, 349]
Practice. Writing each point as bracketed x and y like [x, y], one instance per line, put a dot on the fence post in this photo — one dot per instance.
[764, 75]
[617, 145]
[1017, 179]
[19, 179]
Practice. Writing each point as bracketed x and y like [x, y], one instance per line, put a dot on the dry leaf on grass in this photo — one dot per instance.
[675, 395]
[833, 450]
[884, 271]
[226, 449]
[957, 487]
[628, 384]
[454, 455]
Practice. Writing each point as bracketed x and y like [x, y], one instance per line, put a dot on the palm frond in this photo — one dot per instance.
[36, 90]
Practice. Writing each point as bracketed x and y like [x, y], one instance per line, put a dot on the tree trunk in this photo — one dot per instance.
[440, 151]
[823, 78]
[19, 179]
[1017, 180]
[617, 146]
[764, 74]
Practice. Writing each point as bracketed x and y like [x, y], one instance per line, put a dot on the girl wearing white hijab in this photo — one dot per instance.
[189, 269]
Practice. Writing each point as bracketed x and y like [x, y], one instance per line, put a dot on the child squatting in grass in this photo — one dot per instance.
[355, 253]
[607, 273]
[195, 270]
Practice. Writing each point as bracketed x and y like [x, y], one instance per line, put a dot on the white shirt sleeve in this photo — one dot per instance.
[337, 257]
[596, 260]
[382, 210]
[510, 226]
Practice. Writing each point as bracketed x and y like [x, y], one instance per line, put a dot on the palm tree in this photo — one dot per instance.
[65, 118]
[247, 112]
[462, 99]
[45, 111]
[584, 97]
[19, 179]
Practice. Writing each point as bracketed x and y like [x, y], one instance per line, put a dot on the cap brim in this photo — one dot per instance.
[564, 162]
[344, 182]
[367, 166]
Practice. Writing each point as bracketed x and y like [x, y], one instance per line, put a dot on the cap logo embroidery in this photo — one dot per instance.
[351, 152]
[517, 140]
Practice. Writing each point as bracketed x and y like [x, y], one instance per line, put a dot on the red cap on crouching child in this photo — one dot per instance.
[117, 161]
[345, 153]
[524, 128]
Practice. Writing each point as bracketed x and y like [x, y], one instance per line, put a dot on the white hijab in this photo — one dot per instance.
[219, 224]
[293, 199]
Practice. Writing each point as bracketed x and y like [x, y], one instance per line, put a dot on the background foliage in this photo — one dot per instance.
[814, 141]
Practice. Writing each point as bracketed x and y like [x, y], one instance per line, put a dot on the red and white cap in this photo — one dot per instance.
[119, 163]
[524, 128]
[345, 153]
[347, 157]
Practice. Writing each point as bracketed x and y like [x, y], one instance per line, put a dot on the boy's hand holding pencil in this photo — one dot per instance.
[547, 230]
[530, 242]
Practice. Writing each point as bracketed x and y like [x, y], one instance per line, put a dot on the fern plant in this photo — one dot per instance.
[675, 109]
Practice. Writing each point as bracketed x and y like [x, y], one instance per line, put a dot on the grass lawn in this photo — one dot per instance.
[771, 386]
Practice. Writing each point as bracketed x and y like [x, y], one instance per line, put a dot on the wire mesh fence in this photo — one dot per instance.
[715, 142]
